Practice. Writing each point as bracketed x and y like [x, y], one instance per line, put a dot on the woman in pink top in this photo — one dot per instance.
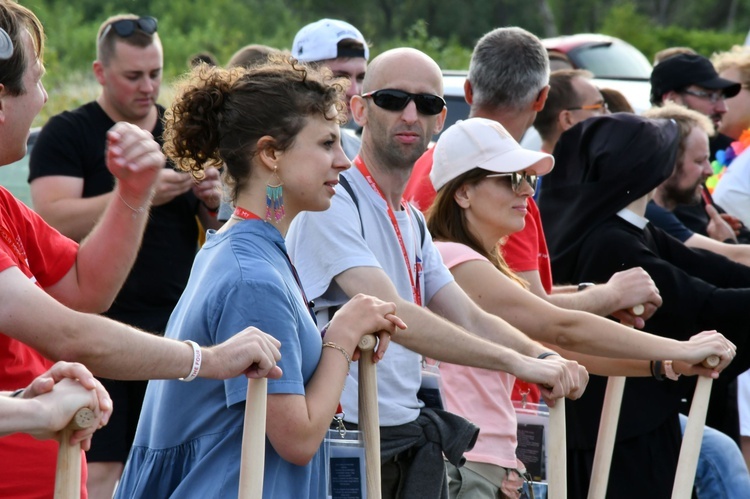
[483, 180]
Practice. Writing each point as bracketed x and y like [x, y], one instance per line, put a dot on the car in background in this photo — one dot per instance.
[453, 93]
[614, 63]
[15, 176]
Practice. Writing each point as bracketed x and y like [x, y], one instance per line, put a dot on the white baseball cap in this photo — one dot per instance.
[482, 143]
[318, 41]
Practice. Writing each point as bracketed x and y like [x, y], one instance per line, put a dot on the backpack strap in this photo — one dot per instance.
[343, 182]
[420, 223]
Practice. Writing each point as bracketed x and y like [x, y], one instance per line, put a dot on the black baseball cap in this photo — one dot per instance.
[680, 71]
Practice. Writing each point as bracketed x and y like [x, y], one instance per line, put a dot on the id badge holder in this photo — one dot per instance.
[344, 457]
[431, 390]
[533, 428]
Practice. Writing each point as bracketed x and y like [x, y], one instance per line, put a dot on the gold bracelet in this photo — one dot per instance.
[331, 344]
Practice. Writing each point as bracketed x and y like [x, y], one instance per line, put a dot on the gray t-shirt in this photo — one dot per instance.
[324, 244]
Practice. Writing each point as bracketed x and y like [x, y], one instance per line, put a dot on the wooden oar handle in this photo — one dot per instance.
[369, 420]
[367, 342]
[711, 361]
[68, 471]
[638, 309]
[82, 419]
[557, 477]
[253, 453]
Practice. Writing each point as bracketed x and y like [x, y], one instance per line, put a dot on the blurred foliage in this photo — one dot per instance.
[445, 30]
[624, 21]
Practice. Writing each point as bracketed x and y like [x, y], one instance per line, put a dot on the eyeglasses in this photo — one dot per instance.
[396, 100]
[599, 106]
[516, 178]
[713, 97]
[126, 27]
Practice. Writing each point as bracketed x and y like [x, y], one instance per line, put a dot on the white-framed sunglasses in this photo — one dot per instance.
[516, 178]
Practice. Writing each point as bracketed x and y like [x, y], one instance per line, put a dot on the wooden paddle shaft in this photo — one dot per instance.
[605, 439]
[68, 471]
[691, 441]
[557, 478]
[369, 420]
[693, 436]
[253, 457]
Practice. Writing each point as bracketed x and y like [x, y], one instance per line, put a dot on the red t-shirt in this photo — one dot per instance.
[27, 465]
[524, 250]
[419, 190]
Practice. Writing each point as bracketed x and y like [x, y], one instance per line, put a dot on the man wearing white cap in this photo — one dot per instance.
[340, 47]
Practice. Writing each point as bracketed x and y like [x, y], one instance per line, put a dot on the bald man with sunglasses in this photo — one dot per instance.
[371, 241]
[71, 187]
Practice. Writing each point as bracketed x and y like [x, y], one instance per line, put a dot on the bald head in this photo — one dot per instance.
[401, 68]
[394, 137]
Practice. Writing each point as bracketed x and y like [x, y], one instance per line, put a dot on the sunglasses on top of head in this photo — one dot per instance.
[516, 178]
[396, 100]
[126, 27]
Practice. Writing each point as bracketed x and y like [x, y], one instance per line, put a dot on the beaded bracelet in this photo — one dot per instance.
[197, 357]
[333, 345]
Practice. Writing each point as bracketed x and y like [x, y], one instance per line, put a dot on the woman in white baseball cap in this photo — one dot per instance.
[483, 179]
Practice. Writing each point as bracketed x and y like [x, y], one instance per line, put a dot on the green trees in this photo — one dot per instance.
[446, 29]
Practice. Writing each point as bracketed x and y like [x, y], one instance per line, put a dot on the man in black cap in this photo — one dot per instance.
[691, 80]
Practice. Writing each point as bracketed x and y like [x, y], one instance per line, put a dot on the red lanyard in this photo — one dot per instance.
[416, 292]
[244, 214]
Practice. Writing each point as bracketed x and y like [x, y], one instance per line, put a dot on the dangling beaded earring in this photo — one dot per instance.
[274, 198]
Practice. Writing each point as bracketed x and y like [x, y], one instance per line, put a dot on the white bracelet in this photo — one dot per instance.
[196, 362]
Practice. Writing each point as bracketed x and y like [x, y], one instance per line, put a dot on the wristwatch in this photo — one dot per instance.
[585, 285]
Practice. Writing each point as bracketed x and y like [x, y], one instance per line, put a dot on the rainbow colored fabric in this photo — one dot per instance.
[724, 159]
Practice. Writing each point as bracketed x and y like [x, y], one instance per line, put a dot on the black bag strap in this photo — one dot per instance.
[348, 187]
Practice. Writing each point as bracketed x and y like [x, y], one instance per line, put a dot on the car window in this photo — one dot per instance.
[458, 109]
[14, 177]
[611, 60]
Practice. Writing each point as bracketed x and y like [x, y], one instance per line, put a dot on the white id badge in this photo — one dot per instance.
[431, 390]
[344, 455]
[533, 427]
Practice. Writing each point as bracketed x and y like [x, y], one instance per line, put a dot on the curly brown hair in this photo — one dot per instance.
[219, 115]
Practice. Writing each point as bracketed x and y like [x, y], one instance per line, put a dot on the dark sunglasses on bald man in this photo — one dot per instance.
[126, 27]
[396, 100]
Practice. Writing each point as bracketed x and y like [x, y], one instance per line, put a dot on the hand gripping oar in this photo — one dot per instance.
[369, 421]
[68, 472]
[253, 440]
